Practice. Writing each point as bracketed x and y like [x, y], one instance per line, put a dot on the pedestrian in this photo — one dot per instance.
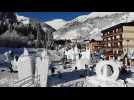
[59, 75]
[86, 69]
[76, 68]
[125, 83]
[53, 70]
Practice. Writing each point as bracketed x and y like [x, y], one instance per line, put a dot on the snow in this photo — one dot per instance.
[96, 34]
[73, 34]
[94, 15]
[102, 14]
[56, 23]
[23, 19]
[90, 26]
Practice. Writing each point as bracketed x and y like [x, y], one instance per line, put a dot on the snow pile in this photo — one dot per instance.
[96, 82]
[56, 23]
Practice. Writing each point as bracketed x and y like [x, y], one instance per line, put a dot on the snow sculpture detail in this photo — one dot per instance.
[42, 68]
[107, 70]
[24, 65]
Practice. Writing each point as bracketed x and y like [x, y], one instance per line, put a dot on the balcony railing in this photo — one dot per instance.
[111, 34]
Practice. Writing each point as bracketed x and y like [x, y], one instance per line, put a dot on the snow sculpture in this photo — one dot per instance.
[73, 53]
[24, 65]
[84, 60]
[14, 64]
[80, 64]
[102, 70]
[131, 54]
[42, 68]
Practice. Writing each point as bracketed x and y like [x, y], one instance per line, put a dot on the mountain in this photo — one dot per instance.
[90, 26]
[19, 31]
[56, 23]
[23, 19]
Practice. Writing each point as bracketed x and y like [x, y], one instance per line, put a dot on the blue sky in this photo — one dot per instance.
[45, 16]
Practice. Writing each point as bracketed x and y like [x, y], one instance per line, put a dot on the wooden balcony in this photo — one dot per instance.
[111, 34]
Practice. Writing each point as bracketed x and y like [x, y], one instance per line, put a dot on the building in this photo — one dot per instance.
[118, 41]
[94, 45]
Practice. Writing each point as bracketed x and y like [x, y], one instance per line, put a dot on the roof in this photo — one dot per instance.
[118, 25]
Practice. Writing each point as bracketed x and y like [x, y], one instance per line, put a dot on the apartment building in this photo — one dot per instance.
[118, 41]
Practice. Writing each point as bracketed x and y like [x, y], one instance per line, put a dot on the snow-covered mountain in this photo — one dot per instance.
[56, 23]
[90, 26]
[23, 19]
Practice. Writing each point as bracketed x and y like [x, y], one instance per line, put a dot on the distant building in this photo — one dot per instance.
[118, 40]
[94, 45]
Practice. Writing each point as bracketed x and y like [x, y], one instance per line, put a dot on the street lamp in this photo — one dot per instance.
[127, 46]
[127, 51]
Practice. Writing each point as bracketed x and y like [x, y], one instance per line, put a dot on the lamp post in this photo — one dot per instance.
[127, 51]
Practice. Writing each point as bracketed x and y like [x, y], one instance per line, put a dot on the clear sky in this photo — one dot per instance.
[45, 16]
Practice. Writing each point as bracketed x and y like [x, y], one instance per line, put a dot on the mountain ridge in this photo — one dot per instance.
[90, 26]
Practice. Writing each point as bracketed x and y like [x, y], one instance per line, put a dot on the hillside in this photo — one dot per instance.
[90, 26]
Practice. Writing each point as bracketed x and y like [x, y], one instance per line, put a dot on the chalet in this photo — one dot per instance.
[94, 45]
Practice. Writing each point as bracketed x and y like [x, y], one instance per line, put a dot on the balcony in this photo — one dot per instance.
[111, 34]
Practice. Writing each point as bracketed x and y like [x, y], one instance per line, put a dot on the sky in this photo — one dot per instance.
[46, 16]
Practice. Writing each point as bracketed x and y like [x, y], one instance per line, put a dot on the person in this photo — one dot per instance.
[11, 57]
[86, 69]
[59, 75]
[125, 83]
[53, 70]
[76, 68]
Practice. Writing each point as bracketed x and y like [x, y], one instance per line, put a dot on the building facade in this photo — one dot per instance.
[94, 45]
[118, 41]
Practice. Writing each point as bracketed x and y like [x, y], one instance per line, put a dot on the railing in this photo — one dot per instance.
[111, 34]
[30, 81]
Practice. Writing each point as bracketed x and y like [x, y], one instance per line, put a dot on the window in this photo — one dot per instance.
[118, 43]
[117, 30]
[118, 37]
[109, 44]
[109, 38]
[114, 37]
[117, 51]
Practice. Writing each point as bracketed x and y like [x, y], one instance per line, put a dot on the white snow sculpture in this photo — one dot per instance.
[80, 64]
[14, 64]
[86, 55]
[42, 68]
[25, 53]
[24, 65]
[102, 70]
[84, 60]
